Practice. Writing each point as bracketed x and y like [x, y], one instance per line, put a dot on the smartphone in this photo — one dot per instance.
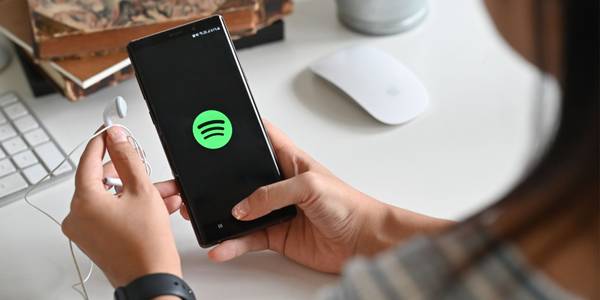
[208, 124]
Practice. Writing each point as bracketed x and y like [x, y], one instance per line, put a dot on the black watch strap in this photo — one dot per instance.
[154, 285]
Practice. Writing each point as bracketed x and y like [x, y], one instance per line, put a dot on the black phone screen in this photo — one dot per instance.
[208, 123]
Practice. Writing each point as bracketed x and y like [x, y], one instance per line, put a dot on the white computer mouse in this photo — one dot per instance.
[378, 82]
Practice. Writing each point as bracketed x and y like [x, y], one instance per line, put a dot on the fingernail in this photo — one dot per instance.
[116, 135]
[240, 210]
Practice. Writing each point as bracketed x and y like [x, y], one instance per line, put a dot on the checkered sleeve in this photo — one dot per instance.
[434, 268]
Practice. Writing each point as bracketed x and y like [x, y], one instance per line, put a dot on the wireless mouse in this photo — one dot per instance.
[378, 82]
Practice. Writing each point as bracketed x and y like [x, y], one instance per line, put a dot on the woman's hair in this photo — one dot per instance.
[565, 179]
[567, 173]
[563, 185]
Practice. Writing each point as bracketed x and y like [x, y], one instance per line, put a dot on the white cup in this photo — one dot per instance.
[381, 17]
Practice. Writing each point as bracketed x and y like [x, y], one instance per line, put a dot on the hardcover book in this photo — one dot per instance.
[71, 76]
[77, 28]
[79, 77]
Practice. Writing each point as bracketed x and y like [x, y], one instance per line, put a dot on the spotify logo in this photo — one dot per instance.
[212, 129]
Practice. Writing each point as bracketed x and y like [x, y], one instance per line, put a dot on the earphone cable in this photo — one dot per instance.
[142, 154]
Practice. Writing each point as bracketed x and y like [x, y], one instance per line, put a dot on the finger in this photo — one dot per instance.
[278, 139]
[233, 248]
[169, 191]
[173, 203]
[109, 170]
[296, 190]
[292, 159]
[126, 160]
[184, 212]
[167, 188]
[90, 170]
[285, 150]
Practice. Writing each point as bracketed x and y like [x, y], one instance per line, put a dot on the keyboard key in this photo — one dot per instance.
[6, 167]
[11, 184]
[50, 155]
[6, 132]
[7, 99]
[65, 167]
[25, 124]
[34, 137]
[35, 173]
[27, 152]
[25, 159]
[15, 110]
[14, 145]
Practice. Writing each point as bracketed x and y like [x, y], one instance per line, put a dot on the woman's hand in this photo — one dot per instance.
[334, 221]
[127, 235]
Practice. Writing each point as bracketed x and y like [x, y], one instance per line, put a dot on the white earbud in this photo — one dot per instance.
[111, 181]
[117, 108]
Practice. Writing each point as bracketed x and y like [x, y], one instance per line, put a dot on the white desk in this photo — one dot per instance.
[463, 152]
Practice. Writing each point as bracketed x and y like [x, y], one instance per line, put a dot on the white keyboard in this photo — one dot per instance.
[27, 151]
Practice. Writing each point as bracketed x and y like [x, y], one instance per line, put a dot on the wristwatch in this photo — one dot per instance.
[153, 285]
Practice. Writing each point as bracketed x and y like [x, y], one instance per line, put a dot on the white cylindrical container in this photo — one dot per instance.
[381, 17]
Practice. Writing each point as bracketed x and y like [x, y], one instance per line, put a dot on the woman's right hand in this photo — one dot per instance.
[334, 221]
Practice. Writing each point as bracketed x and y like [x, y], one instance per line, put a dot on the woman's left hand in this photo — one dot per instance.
[127, 235]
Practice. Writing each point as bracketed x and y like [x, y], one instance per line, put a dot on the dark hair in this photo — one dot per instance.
[565, 179]
[570, 165]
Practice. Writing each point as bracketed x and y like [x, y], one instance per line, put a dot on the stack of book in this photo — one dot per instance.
[79, 45]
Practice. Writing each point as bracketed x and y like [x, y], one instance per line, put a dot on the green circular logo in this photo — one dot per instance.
[212, 129]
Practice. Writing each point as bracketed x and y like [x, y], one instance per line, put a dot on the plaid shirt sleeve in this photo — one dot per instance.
[434, 268]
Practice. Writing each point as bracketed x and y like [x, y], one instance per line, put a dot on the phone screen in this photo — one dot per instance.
[208, 123]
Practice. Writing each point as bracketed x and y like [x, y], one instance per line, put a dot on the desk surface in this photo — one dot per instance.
[468, 148]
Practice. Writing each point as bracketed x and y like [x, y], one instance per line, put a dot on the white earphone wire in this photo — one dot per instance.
[140, 151]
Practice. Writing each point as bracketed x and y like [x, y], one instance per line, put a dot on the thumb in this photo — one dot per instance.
[301, 190]
[126, 160]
